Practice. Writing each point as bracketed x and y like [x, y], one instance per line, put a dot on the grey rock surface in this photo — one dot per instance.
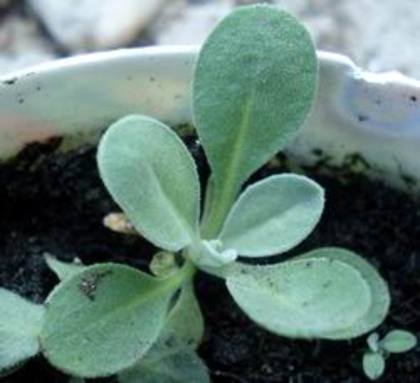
[377, 35]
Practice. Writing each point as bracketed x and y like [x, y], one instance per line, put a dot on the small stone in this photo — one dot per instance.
[342, 27]
[192, 25]
[81, 25]
[21, 45]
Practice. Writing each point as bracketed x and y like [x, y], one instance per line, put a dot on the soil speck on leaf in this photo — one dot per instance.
[89, 283]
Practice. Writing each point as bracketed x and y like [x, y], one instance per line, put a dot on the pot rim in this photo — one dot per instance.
[357, 114]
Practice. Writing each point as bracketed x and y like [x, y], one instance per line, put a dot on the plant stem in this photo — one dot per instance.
[177, 279]
[222, 199]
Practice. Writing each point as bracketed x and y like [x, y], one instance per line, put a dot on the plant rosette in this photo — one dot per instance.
[254, 86]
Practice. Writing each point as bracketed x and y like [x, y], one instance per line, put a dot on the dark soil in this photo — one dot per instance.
[55, 204]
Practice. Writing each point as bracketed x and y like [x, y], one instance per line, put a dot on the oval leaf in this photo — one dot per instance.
[373, 365]
[301, 298]
[20, 325]
[168, 363]
[380, 298]
[273, 215]
[397, 341]
[103, 320]
[185, 321]
[254, 85]
[150, 174]
[63, 270]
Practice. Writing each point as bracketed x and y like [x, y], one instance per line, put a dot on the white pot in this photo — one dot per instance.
[372, 118]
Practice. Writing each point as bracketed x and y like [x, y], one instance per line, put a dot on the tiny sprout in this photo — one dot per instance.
[374, 358]
[254, 85]
[119, 223]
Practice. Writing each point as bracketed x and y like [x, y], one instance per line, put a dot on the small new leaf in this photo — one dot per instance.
[210, 254]
[373, 342]
[103, 319]
[20, 325]
[163, 264]
[273, 215]
[151, 175]
[373, 365]
[185, 321]
[397, 341]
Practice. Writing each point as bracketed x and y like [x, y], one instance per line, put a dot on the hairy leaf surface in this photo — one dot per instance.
[273, 215]
[254, 85]
[304, 298]
[151, 175]
[380, 298]
[103, 319]
[20, 325]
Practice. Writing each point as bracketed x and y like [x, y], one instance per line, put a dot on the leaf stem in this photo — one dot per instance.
[185, 273]
[222, 199]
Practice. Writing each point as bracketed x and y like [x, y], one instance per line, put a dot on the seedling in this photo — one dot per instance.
[395, 342]
[254, 85]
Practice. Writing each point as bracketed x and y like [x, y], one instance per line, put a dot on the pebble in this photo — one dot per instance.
[21, 44]
[379, 36]
[88, 25]
[359, 29]
[192, 25]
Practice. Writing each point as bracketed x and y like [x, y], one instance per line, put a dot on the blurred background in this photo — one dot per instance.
[378, 35]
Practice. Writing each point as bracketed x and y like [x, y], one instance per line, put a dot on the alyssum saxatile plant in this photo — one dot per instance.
[378, 350]
[254, 85]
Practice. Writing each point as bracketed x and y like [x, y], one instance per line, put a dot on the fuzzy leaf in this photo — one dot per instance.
[301, 298]
[273, 215]
[185, 321]
[254, 85]
[20, 325]
[397, 341]
[373, 365]
[168, 363]
[103, 319]
[151, 175]
[63, 270]
[380, 298]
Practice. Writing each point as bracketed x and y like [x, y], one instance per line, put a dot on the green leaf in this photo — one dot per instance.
[380, 298]
[210, 254]
[104, 319]
[273, 215]
[373, 365]
[63, 270]
[185, 321]
[168, 363]
[254, 85]
[304, 298]
[172, 359]
[397, 341]
[151, 175]
[20, 325]
[373, 342]
[163, 264]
